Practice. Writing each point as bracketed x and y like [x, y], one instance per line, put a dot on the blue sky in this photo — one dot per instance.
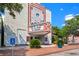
[60, 11]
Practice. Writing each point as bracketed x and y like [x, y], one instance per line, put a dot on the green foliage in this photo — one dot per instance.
[71, 27]
[65, 34]
[56, 34]
[60, 33]
[12, 7]
[55, 39]
[55, 30]
[64, 31]
[35, 43]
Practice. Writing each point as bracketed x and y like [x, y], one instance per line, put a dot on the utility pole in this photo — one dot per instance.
[2, 30]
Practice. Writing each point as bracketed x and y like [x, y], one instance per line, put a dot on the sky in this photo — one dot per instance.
[61, 12]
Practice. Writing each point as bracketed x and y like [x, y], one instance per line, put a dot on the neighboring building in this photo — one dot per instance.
[70, 39]
[34, 21]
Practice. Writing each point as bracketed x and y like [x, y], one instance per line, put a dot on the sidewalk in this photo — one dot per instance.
[25, 51]
[49, 50]
[17, 51]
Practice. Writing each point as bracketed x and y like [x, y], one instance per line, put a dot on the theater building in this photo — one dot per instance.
[34, 21]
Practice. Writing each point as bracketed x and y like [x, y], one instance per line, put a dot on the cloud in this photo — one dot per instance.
[61, 9]
[77, 14]
[69, 16]
[63, 24]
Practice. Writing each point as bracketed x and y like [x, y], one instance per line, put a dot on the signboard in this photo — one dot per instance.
[47, 27]
[12, 41]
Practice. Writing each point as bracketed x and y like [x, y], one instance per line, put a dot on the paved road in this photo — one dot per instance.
[74, 52]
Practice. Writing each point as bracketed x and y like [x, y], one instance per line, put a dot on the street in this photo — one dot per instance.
[74, 52]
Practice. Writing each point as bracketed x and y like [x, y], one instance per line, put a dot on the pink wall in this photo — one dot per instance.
[71, 37]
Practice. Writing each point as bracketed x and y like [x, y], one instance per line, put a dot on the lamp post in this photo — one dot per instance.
[2, 30]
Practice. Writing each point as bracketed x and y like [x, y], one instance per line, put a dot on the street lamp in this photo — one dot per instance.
[2, 29]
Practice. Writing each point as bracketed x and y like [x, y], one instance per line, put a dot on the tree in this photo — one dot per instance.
[55, 30]
[65, 33]
[73, 25]
[11, 7]
[56, 34]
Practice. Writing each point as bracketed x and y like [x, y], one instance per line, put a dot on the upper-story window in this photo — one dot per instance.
[37, 14]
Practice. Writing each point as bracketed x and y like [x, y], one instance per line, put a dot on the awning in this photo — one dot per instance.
[39, 33]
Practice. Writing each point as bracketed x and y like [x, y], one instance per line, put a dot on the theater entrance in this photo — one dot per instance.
[44, 37]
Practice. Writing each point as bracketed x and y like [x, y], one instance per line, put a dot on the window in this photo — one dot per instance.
[37, 14]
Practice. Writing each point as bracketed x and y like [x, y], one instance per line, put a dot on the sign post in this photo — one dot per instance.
[12, 43]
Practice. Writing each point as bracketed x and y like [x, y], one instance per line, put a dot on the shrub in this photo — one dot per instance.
[35, 43]
[55, 39]
[55, 42]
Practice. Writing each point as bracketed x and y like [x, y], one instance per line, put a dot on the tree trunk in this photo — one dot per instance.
[66, 39]
[73, 40]
[2, 33]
